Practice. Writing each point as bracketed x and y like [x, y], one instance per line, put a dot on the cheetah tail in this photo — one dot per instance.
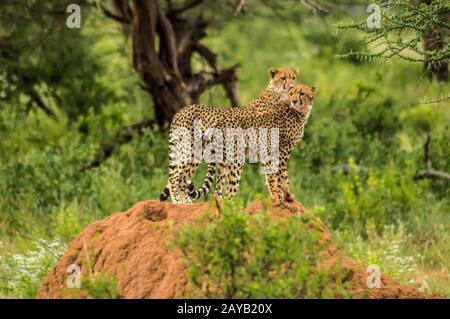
[202, 191]
[165, 194]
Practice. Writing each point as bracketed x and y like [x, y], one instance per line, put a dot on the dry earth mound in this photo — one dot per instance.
[132, 247]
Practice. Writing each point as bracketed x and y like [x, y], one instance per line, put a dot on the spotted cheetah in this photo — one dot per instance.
[183, 161]
[291, 118]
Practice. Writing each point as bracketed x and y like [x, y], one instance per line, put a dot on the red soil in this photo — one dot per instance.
[132, 247]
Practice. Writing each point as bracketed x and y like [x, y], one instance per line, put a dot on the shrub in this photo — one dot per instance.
[375, 198]
[240, 256]
[101, 286]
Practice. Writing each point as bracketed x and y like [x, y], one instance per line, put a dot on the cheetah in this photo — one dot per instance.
[183, 162]
[291, 118]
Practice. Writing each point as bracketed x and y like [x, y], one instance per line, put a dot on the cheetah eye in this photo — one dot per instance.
[302, 94]
[283, 78]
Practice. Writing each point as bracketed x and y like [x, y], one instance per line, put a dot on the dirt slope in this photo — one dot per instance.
[132, 247]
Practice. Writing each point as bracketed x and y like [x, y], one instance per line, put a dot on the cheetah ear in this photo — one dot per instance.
[272, 72]
[315, 89]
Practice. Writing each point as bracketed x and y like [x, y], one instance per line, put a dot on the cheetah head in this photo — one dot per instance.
[302, 98]
[282, 79]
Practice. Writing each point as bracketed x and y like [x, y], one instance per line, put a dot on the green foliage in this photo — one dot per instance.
[101, 286]
[422, 118]
[241, 256]
[364, 199]
[42, 59]
[402, 25]
[329, 45]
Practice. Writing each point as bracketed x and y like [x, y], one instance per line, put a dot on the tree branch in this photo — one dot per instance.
[207, 54]
[167, 42]
[429, 172]
[316, 6]
[113, 16]
[204, 80]
[37, 99]
[123, 136]
[239, 8]
[187, 6]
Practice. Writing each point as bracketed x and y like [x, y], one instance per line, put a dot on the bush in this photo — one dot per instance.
[374, 198]
[101, 286]
[240, 256]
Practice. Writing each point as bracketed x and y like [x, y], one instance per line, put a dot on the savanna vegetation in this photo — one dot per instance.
[84, 116]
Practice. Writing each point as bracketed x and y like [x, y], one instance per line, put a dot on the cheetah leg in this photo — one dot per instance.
[176, 168]
[182, 184]
[235, 168]
[165, 194]
[185, 181]
[272, 183]
[234, 179]
[174, 185]
[220, 181]
[283, 182]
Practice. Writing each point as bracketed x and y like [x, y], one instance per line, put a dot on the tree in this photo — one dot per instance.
[416, 31]
[165, 38]
[164, 42]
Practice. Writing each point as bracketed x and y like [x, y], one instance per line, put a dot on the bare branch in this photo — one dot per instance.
[123, 136]
[206, 53]
[124, 8]
[430, 173]
[113, 16]
[37, 99]
[167, 41]
[189, 5]
[204, 80]
[316, 6]
[239, 8]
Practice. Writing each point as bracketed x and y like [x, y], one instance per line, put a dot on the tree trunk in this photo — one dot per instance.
[433, 40]
[163, 45]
